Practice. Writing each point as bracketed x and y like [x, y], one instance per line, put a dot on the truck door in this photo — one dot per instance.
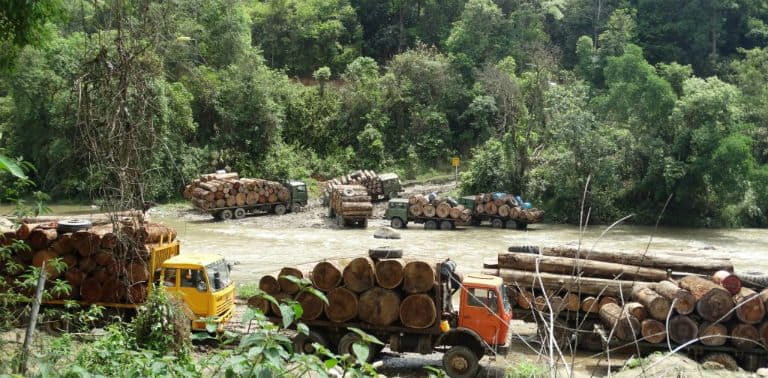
[479, 308]
[194, 288]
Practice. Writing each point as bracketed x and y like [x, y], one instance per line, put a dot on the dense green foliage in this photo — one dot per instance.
[640, 99]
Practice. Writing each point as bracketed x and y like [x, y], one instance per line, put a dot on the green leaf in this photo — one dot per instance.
[302, 329]
[211, 327]
[331, 363]
[360, 351]
[286, 311]
[9, 165]
[318, 294]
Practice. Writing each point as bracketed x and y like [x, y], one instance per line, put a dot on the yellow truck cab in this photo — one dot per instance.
[202, 282]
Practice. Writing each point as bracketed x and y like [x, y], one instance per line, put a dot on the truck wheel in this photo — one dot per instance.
[510, 224]
[392, 195]
[239, 213]
[396, 223]
[430, 225]
[280, 209]
[302, 343]
[225, 214]
[497, 223]
[460, 362]
[349, 339]
[385, 253]
[446, 225]
[72, 225]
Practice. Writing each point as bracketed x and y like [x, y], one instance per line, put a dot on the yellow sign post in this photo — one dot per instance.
[455, 161]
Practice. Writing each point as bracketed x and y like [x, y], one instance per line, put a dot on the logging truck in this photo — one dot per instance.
[399, 214]
[297, 197]
[500, 216]
[423, 321]
[350, 205]
[201, 281]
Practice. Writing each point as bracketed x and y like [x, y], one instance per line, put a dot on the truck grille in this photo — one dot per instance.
[224, 306]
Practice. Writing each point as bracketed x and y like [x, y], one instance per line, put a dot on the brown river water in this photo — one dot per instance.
[263, 244]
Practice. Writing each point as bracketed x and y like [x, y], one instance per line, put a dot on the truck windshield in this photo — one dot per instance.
[505, 298]
[218, 275]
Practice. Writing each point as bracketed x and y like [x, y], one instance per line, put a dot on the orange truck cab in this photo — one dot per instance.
[484, 308]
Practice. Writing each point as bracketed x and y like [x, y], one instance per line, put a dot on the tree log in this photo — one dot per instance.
[418, 311]
[713, 334]
[359, 274]
[653, 331]
[590, 305]
[623, 325]
[41, 238]
[342, 305]
[657, 306]
[287, 286]
[727, 280]
[136, 272]
[750, 308]
[763, 333]
[259, 303]
[157, 231]
[682, 329]
[311, 304]
[525, 299]
[713, 301]
[269, 285]
[137, 293]
[326, 275]
[85, 242]
[582, 285]
[637, 310]
[606, 300]
[113, 291]
[572, 302]
[682, 300]
[379, 306]
[389, 273]
[691, 263]
[279, 298]
[90, 290]
[418, 277]
[744, 336]
[564, 265]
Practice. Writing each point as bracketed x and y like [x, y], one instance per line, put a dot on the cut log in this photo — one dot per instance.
[682, 300]
[311, 304]
[342, 305]
[713, 301]
[512, 294]
[744, 336]
[113, 291]
[418, 277]
[74, 276]
[713, 334]
[525, 299]
[582, 285]
[279, 298]
[85, 242]
[155, 232]
[724, 359]
[606, 300]
[637, 310]
[564, 265]
[418, 311]
[750, 308]
[136, 272]
[379, 306]
[727, 280]
[87, 264]
[691, 263]
[41, 238]
[572, 302]
[590, 305]
[763, 333]
[429, 211]
[359, 274]
[326, 275]
[259, 303]
[658, 307]
[389, 273]
[90, 290]
[624, 326]
[682, 329]
[286, 286]
[653, 331]
[137, 293]
[269, 285]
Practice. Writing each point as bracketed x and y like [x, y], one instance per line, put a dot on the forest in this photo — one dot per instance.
[630, 106]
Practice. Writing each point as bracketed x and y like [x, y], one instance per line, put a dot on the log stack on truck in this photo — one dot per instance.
[657, 298]
[379, 186]
[116, 265]
[432, 210]
[350, 205]
[404, 303]
[502, 210]
[227, 195]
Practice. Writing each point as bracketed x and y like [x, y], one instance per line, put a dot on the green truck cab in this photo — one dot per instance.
[299, 196]
[397, 212]
[391, 185]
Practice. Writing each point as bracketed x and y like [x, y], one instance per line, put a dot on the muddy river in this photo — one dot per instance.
[263, 244]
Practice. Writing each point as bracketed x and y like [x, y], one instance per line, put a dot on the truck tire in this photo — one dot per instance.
[225, 214]
[757, 279]
[392, 195]
[510, 224]
[239, 213]
[397, 223]
[72, 225]
[280, 209]
[385, 253]
[430, 225]
[460, 362]
[446, 225]
[349, 339]
[497, 223]
[302, 344]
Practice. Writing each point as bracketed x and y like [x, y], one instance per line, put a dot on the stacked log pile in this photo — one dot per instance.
[636, 298]
[385, 292]
[369, 179]
[433, 206]
[351, 201]
[505, 205]
[218, 190]
[103, 264]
